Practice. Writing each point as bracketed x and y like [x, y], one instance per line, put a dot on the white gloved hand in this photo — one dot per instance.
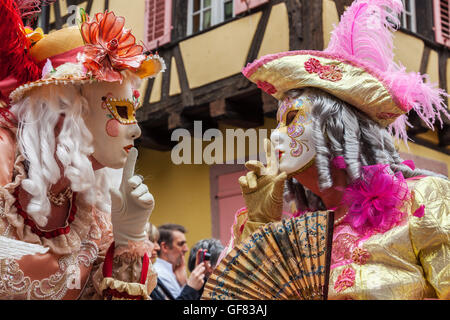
[131, 205]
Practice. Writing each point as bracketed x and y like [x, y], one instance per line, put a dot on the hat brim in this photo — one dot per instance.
[150, 68]
[20, 91]
[348, 80]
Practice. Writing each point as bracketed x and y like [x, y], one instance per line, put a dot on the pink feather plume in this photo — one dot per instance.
[365, 34]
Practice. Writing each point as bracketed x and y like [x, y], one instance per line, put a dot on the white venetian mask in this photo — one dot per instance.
[111, 121]
[292, 138]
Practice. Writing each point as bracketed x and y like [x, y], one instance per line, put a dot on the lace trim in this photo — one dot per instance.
[63, 244]
[13, 282]
[135, 249]
[112, 288]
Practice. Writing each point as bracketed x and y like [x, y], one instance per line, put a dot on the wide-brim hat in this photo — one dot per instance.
[358, 68]
[101, 49]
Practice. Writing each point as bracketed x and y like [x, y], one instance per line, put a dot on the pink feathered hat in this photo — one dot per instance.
[357, 67]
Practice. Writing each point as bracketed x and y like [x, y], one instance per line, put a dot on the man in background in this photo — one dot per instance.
[171, 267]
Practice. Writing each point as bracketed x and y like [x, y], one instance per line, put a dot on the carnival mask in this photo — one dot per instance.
[293, 136]
[112, 121]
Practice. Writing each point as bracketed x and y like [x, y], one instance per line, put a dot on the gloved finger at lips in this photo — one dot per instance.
[129, 167]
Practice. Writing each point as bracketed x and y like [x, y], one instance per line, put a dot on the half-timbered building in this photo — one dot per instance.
[205, 44]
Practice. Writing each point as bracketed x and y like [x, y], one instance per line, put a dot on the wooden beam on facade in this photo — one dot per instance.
[341, 5]
[444, 132]
[270, 105]
[177, 120]
[259, 34]
[305, 24]
[57, 11]
[186, 93]
[165, 88]
[425, 59]
[239, 115]
[179, 16]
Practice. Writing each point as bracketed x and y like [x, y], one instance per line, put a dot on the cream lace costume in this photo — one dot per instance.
[409, 261]
[72, 266]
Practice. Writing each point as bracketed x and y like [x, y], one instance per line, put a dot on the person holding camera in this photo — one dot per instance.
[205, 250]
[173, 282]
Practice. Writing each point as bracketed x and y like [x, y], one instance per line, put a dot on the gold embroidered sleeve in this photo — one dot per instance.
[430, 233]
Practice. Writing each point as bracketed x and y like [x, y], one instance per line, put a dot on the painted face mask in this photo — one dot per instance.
[293, 136]
[112, 122]
[123, 110]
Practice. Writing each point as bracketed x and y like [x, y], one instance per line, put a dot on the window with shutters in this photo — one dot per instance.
[408, 18]
[158, 24]
[203, 14]
[441, 21]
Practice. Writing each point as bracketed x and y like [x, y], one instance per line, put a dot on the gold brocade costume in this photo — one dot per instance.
[409, 261]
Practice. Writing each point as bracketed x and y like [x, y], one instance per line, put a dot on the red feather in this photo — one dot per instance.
[15, 61]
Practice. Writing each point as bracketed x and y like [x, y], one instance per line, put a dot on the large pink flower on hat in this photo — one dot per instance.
[110, 47]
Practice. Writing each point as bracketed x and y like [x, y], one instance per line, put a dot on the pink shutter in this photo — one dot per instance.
[442, 21]
[244, 5]
[230, 201]
[158, 22]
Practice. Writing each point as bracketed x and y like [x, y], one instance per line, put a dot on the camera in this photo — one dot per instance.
[206, 256]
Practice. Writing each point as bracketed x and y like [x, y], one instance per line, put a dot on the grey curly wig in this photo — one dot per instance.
[341, 130]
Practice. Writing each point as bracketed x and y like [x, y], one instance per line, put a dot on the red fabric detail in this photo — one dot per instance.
[144, 271]
[109, 293]
[59, 59]
[267, 87]
[46, 234]
[107, 264]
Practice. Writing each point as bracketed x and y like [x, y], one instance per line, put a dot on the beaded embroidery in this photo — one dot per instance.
[360, 256]
[326, 72]
[345, 280]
